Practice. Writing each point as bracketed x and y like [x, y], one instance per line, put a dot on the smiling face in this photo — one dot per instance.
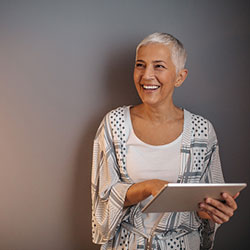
[155, 74]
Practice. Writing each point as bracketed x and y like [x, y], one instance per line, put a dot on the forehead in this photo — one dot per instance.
[154, 52]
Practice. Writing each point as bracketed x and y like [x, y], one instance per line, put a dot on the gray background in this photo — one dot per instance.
[64, 64]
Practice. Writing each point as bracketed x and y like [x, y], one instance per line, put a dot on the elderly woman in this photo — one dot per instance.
[138, 149]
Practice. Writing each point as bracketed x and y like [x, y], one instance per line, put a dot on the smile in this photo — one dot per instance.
[150, 87]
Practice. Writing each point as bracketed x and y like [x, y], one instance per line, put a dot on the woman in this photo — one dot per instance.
[138, 149]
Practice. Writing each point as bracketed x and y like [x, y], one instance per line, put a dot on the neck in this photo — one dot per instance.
[161, 113]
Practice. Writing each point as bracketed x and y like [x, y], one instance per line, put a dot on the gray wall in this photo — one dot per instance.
[64, 64]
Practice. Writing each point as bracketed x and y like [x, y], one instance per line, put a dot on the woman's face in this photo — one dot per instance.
[155, 74]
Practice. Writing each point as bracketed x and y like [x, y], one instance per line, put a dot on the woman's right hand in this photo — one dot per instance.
[141, 190]
[156, 185]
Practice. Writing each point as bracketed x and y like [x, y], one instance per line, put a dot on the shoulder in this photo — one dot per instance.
[116, 115]
[117, 112]
[201, 128]
[113, 123]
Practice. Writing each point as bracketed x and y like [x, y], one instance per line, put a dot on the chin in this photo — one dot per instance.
[152, 103]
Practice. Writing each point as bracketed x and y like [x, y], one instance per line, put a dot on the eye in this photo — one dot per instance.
[139, 65]
[159, 66]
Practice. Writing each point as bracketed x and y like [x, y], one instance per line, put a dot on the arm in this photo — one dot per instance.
[212, 213]
[141, 190]
[212, 173]
[214, 210]
[107, 190]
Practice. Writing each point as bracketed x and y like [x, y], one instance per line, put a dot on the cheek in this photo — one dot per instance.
[136, 77]
[166, 78]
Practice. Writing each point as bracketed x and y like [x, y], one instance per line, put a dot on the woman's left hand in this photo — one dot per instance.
[218, 211]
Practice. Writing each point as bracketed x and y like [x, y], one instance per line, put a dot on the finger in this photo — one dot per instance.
[218, 209]
[237, 195]
[224, 208]
[219, 205]
[230, 201]
[210, 216]
[215, 218]
[203, 215]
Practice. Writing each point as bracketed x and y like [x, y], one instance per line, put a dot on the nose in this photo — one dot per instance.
[148, 73]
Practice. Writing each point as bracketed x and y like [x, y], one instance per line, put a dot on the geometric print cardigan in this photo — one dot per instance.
[116, 227]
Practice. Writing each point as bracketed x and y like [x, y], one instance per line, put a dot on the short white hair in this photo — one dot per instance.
[178, 52]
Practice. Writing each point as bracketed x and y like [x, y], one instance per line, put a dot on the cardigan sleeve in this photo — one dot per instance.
[213, 174]
[107, 190]
[213, 164]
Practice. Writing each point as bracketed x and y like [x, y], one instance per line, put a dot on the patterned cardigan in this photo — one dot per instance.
[116, 227]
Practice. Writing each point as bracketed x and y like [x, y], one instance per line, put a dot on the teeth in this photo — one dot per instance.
[150, 87]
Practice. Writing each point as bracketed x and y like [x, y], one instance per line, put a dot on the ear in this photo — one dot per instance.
[181, 76]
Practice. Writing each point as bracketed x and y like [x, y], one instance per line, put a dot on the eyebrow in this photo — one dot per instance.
[156, 61]
[159, 61]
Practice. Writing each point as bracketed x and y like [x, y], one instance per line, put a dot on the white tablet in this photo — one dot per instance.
[181, 197]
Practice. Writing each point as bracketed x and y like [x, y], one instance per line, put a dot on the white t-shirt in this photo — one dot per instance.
[146, 162]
